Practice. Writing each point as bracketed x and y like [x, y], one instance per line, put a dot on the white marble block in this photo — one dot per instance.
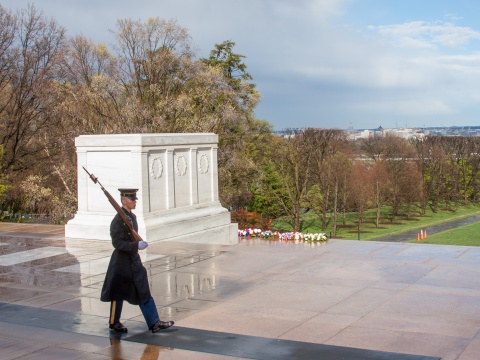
[177, 178]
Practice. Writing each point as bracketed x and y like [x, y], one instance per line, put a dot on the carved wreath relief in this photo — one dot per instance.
[180, 165]
[156, 167]
[203, 164]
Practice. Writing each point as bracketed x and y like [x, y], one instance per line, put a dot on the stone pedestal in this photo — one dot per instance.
[177, 178]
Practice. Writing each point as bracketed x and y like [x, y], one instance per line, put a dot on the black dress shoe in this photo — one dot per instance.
[118, 327]
[160, 325]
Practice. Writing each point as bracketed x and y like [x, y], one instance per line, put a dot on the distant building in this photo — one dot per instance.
[404, 133]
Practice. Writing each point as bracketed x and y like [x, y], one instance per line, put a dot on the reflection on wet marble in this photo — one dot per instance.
[99, 266]
[30, 255]
[182, 285]
[45, 299]
[46, 264]
[122, 350]
[45, 279]
[12, 295]
[59, 264]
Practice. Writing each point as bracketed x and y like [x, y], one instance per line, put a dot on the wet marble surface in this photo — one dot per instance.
[383, 297]
[99, 266]
[19, 257]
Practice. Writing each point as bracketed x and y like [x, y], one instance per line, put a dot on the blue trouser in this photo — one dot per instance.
[149, 311]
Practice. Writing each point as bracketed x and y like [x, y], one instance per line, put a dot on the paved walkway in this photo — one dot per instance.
[255, 300]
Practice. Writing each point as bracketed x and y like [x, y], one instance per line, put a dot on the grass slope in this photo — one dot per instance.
[466, 235]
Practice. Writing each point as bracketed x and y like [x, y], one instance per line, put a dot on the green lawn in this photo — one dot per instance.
[368, 231]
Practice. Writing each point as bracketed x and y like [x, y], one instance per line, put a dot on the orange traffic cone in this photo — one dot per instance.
[425, 234]
[418, 237]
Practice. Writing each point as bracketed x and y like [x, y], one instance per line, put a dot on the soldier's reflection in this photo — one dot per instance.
[123, 351]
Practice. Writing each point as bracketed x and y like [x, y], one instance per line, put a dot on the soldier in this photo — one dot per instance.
[126, 277]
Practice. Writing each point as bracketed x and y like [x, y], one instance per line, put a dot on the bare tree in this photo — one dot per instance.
[292, 158]
[331, 156]
[394, 154]
[8, 28]
[432, 161]
[382, 187]
[342, 163]
[153, 57]
[473, 161]
[32, 59]
[397, 154]
[361, 191]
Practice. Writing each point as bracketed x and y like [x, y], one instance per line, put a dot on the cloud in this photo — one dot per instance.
[462, 66]
[316, 62]
[321, 11]
[427, 35]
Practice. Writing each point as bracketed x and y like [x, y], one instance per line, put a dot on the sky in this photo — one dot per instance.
[323, 63]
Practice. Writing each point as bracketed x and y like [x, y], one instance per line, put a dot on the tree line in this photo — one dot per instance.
[54, 87]
[323, 171]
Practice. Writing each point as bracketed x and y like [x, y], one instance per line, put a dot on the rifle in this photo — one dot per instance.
[116, 206]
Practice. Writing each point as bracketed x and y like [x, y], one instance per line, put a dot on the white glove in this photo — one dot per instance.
[142, 245]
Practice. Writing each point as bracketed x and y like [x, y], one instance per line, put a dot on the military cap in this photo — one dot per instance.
[130, 193]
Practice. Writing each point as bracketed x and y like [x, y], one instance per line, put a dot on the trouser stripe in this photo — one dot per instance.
[113, 307]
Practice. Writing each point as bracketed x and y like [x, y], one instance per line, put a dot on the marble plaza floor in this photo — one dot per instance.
[255, 300]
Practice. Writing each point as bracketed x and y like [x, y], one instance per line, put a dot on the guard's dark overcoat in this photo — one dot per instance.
[126, 277]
